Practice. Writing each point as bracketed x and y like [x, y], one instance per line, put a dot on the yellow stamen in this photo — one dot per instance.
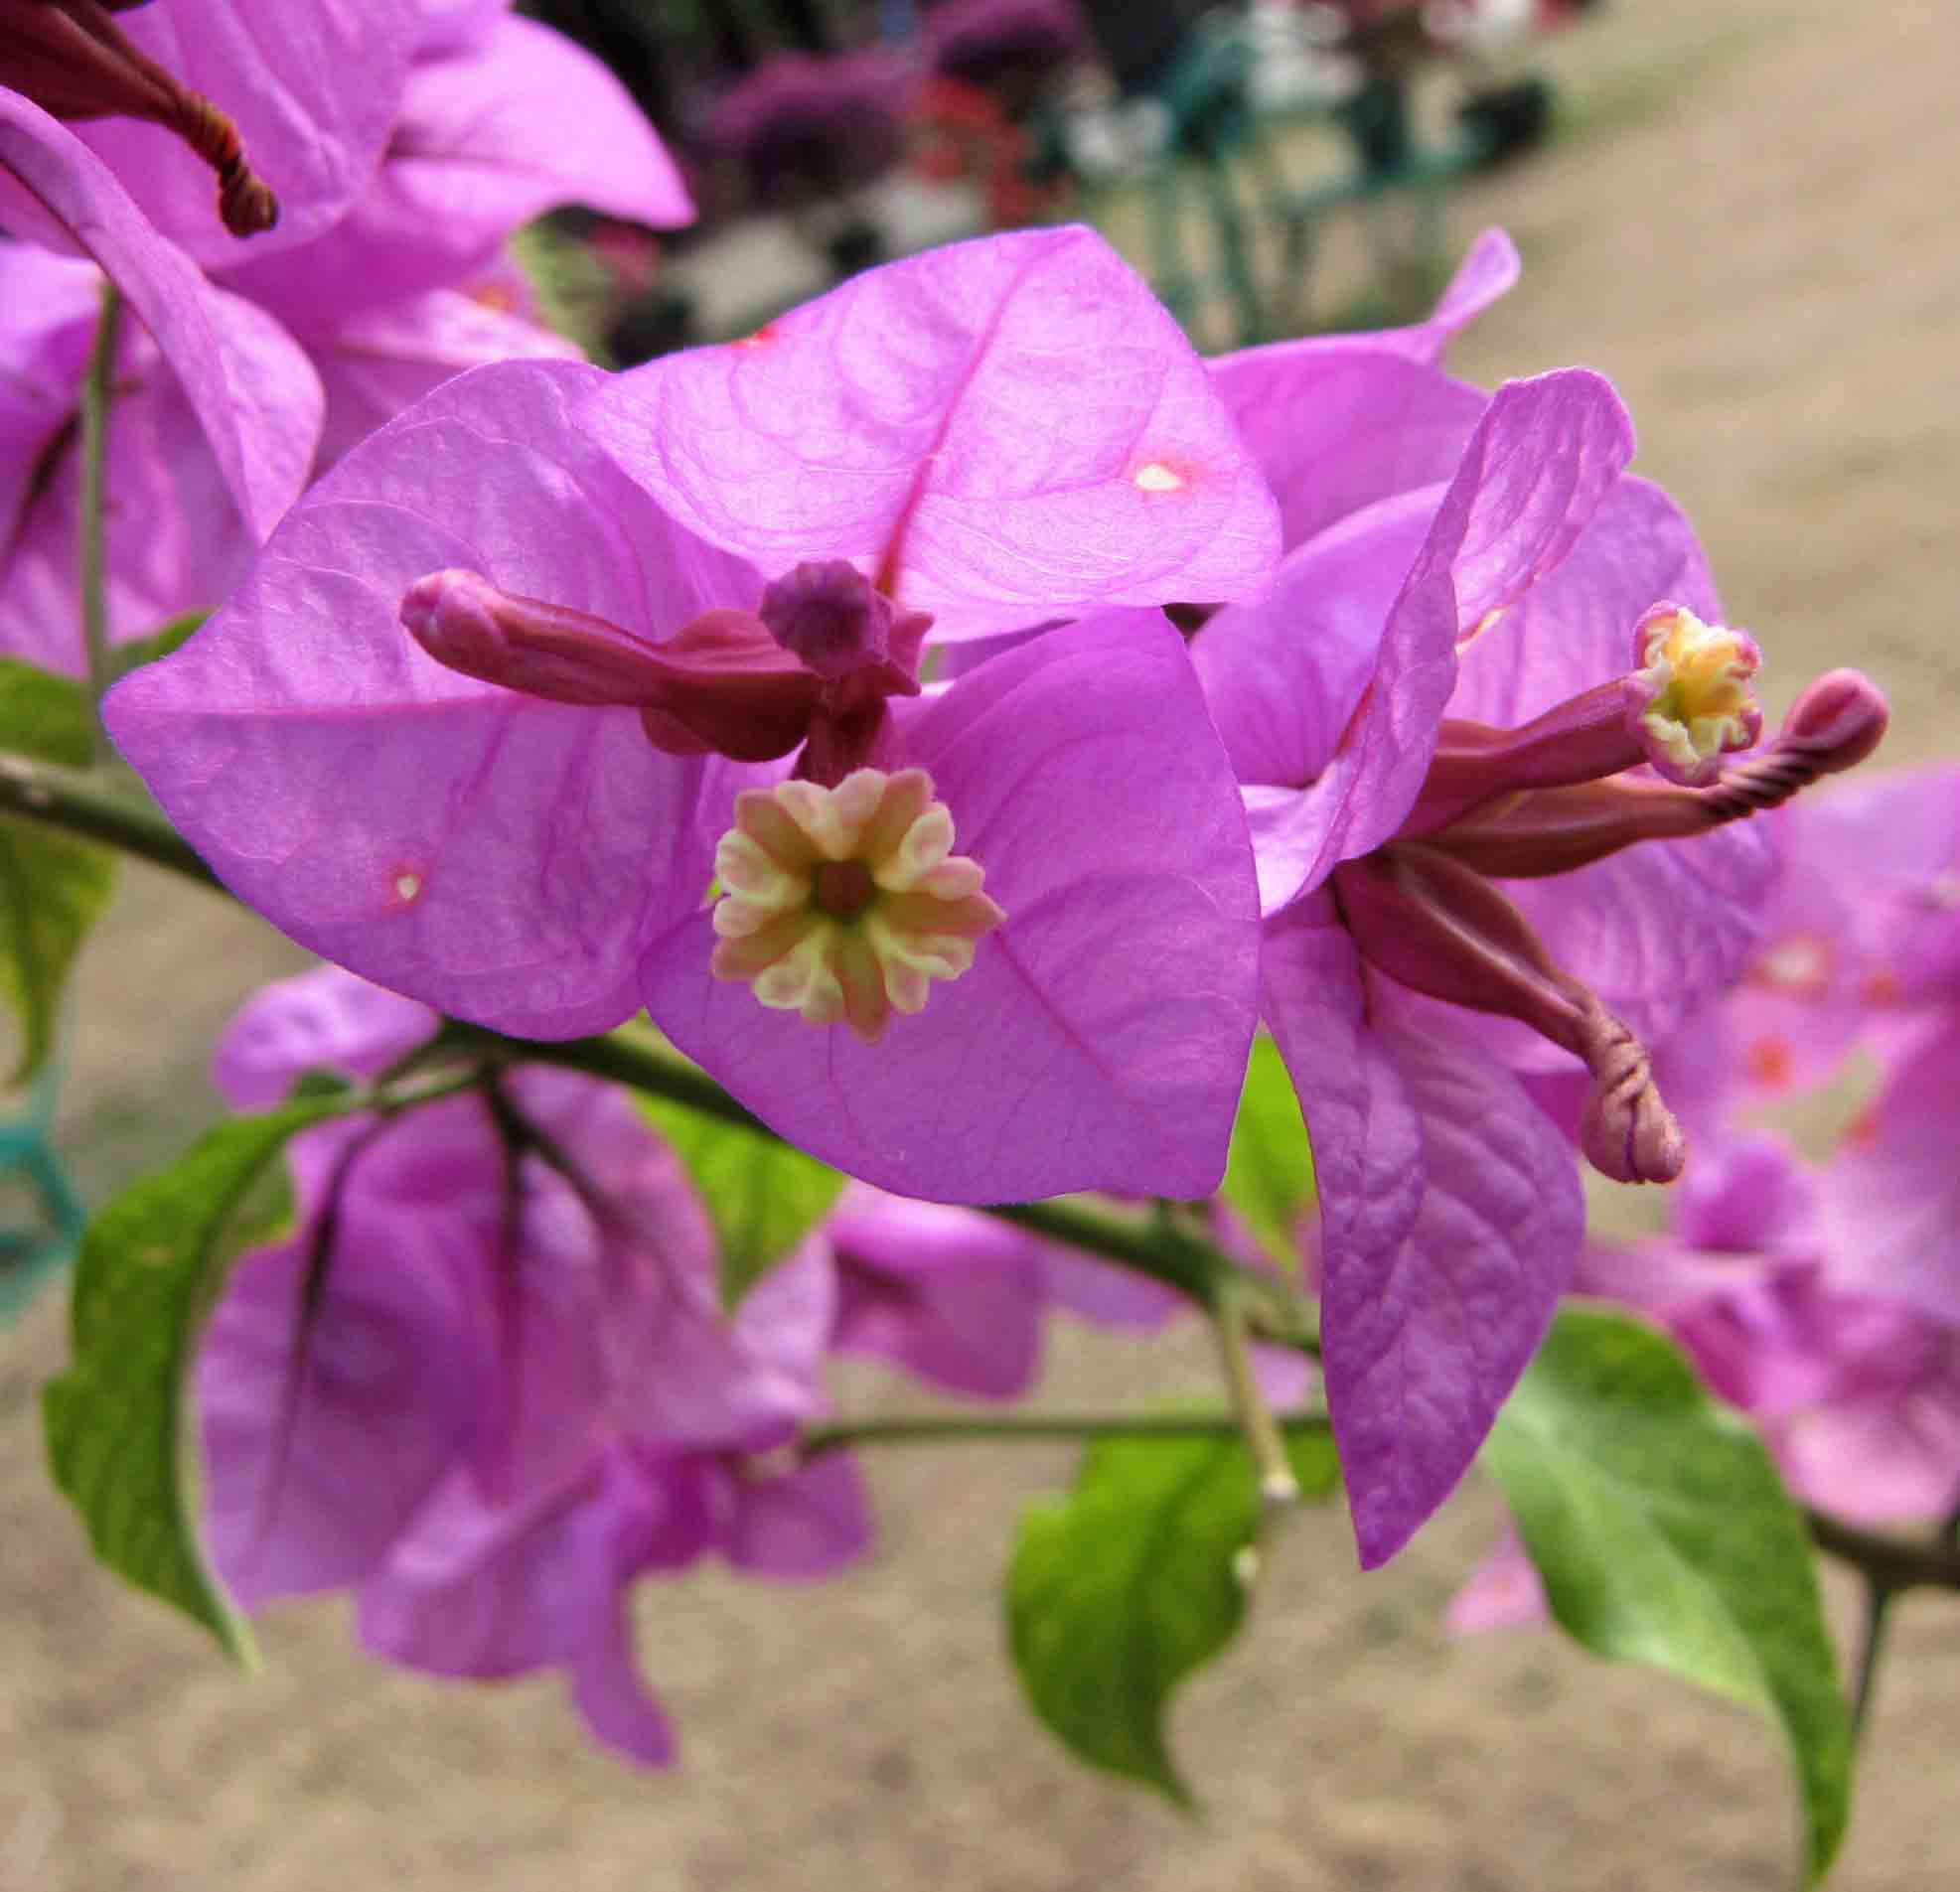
[846, 902]
[1700, 705]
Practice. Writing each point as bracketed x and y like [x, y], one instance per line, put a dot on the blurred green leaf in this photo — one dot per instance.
[152, 1263]
[45, 716]
[1269, 1177]
[51, 891]
[1663, 1536]
[160, 643]
[53, 888]
[1121, 1588]
[762, 1196]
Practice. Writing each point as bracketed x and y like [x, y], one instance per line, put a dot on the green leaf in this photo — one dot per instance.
[1269, 1176]
[53, 888]
[160, 643]
[1664, 1535]
[45, 716]
[1119, 1590]
[51, 891]
[762, 1196]
[152, 1263]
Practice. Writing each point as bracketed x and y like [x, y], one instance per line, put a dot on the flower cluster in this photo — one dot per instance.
[503, 1307]
[962, 719]
[405, 148]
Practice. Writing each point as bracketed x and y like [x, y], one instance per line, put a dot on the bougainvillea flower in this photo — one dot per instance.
[960, 1298]
[169, 95]
[72, 58]
[480, 1589]
[808, 128]
[176, 535]
[489, 718]
[1862, 934]
[1391, 784]
[499, 120]
[213, 428]
[505, 1312]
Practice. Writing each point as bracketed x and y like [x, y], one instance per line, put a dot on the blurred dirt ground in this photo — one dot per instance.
[1751, 227]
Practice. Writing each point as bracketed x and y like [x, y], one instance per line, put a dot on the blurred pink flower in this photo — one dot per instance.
[486, 1383]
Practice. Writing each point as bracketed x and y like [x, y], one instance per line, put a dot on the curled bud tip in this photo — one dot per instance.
[246, 205]
[1838, 720]
[1638, 1142]
[1626, 1131]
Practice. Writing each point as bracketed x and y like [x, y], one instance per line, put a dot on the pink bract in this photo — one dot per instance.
[532, 1371]
[1431, 696]
[1005, 431]
[540, 867]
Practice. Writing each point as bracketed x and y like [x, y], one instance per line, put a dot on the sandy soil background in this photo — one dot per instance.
[1751, 227]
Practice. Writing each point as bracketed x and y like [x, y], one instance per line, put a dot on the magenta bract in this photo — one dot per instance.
[1430, 695]
[541, 866]
[1002, 432]
[961, 1299]
[254, 397]
[530, 1368]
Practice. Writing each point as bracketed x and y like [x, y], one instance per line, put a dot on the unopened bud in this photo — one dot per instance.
[719, 684]
[1838, 720]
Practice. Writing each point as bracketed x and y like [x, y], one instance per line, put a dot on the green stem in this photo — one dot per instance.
[962, 1428]
[1894, 1562]
[1164, 1253]
[1879, 1599]
[620, 1058]
[1278, 1487]
[98, 391]
[88, 804]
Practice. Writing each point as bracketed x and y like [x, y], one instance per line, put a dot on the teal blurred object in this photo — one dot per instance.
[41, 1216]
[1219, 173]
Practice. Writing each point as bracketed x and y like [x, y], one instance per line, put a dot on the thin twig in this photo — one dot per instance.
[1278, 1489]
[90, 804]
[97, 392]
[1878, 1598]
[1893, 1561]
[965, 1428]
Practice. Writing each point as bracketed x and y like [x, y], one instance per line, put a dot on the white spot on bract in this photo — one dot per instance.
[1797, 963]
[1156, 477]
[407, 887]
[1946, 890]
